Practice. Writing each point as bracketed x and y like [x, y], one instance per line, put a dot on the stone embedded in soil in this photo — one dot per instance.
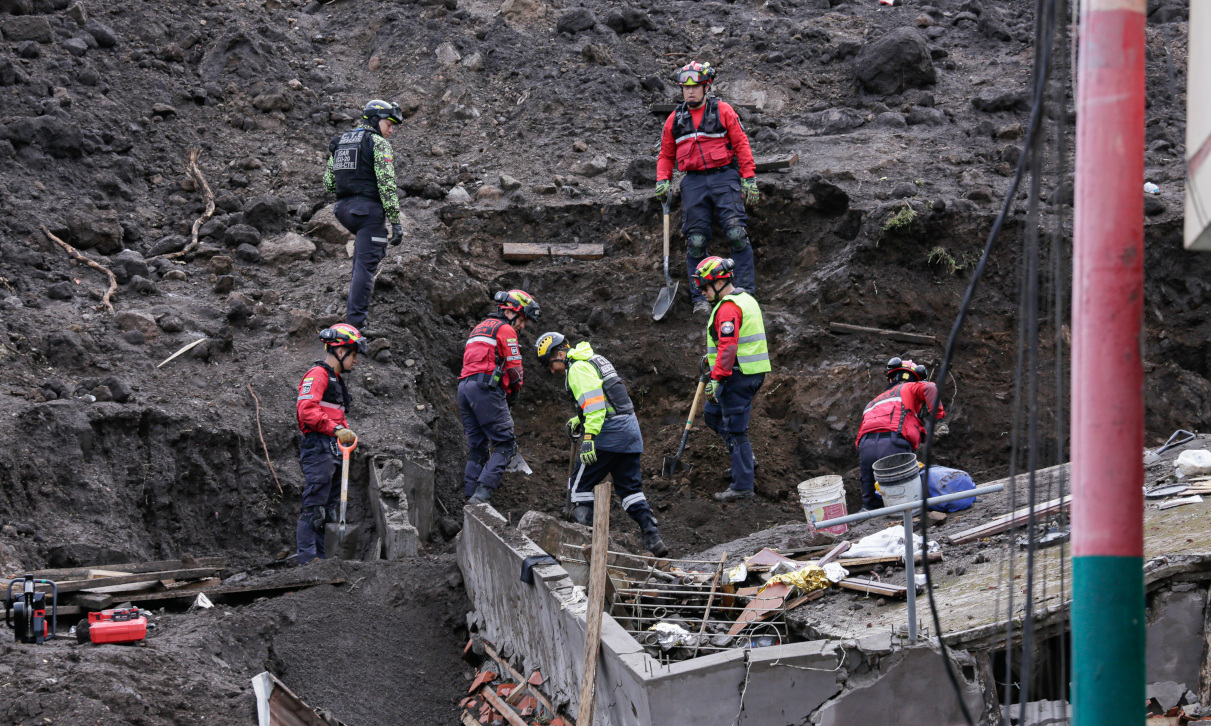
[898, 60]
[267, 213]
[575, 21]
[17, 28]
[287, 248]
[224, 284]
[248, 253]
[596, 166]
[75, 46]
[488, 193]
[103, 34]
[61, 290]
[919, 115]
[324, 226]
[142, 285]
[168, 245]
[508, 183]
[991, 100]
[128, 263]
[890, 120]
[447, 54]
[171, 324]
[241, 234]
[833, 121]
[458, 195]
[134, 337]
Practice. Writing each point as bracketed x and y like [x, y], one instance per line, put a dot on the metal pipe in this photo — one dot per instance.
[908, 506]
[910, 571]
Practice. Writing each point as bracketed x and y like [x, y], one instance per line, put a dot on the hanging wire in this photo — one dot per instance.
[1045, 20]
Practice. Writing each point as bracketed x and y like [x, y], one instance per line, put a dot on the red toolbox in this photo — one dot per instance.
[127, 625]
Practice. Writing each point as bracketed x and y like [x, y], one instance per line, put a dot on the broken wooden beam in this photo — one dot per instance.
[528, 251]
[872, 587]
[1008, 521]
[78, 585]
[501, 707]
[132, 568]
[771, 598]
[897, 335]
[102, 602]
[833, 554]
[491, 652]
[780, 162]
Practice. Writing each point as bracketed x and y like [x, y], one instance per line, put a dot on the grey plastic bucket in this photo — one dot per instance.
[899, 479]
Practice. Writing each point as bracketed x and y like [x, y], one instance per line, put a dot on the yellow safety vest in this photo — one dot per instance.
[752, 354]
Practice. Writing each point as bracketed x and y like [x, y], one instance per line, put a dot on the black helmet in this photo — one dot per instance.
[377, 109]
[902, 370]
[548, 345]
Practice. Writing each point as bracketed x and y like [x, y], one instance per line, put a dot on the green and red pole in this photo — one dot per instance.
[1107, 372]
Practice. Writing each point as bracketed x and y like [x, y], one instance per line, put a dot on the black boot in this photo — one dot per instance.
[651, 536]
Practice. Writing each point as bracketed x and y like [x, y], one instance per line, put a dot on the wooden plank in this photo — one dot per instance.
[781, 162]
[525, 251]
[468, 719]
[150, 586]
[1008, 521]
[597, 584]
[581, 251]
[504, 709]
[78, 585]
[133, 568]
[874, 588]
[517, 677]
[101, 602]
[833, 554]
[879, 332]
[770, 599]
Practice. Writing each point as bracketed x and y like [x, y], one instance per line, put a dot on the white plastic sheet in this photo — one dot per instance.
[888, 543]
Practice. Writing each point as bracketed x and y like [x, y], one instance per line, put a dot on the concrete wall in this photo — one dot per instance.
[543, 625]
[1175, 634]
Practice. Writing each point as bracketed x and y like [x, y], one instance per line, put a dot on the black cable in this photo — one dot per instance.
[1036, 112]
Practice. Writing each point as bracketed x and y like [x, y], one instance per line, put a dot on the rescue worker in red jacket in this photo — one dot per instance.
[703, 138]
[321, 407]
[893, 423]
[489, 383]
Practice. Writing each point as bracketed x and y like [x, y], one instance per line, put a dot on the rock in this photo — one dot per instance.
[171, 53]
[118, 388]
[1063, 194]
[77, 13]
[575, 20]
[474, 62]
[545, 189]
[579, 146]
[238, 311]
[458, 195]
[655, 84]
[923, 21]
[126, 264]
[17, 28]
[324, 226]
[1153, 206]
[522, 10]
[992, 28]
[221, 265]
[226, 283]
[979, 194]
[228, 202]
[904, 190]
[162, 110]
[598, 54]
[11, 74]
[64, 349]
[301, 323]
[1009, 132]
[142, 285]
[991, 100]
[141, 322]
[171, 324]
[174, 275]
[214, 227]
[1010, 154]
[596, 166]
[248, 253]
[241, 234]
[287, 248]
[935, 32]
[898, 60]
[267, 213]
[278, 99]
[628, 20]
[641, 172]
[91, 228]
[75, 46]
[447, 54]
[890, 120]
[65, 290]
[924, 115]
[102, 393]
[488, 193]
[508, 183]
[134, 337]
[101, 33]
[167, 245]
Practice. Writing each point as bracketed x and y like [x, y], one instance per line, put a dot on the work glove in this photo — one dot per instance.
[397, 234]
[511, 398]
[941, 429]
[346, 436]
[713, 389]
[575, 426]
[663, 187]
[588, 451]
[752, 195]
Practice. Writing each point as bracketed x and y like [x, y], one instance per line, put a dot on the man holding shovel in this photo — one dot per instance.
[612, 443]
[738, 358]
[321, 406]
[703, 138]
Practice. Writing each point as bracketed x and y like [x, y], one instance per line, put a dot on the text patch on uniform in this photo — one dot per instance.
[345, 160]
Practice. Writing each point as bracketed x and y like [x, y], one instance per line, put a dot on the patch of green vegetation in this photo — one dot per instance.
[940, 255]
[901, 220]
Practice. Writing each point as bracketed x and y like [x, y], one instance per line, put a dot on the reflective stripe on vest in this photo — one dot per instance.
[611, 395]
[752, 353]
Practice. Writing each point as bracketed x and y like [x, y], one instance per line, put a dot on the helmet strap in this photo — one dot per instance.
[340, 359]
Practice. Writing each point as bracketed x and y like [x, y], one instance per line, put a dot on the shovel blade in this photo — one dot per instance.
[664, 301]
[671, 466]
[518, 463]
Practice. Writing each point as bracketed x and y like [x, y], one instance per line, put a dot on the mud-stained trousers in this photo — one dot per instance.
[729, 418]
[365, 220]
[716, 197]
[625, 471]
[321, 464]
[486, 421]
[871, 448]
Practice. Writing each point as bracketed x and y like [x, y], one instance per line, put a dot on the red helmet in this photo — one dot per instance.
[344, 335]
[905, 370]
[519, 301]
[711, 269]
[695, 74]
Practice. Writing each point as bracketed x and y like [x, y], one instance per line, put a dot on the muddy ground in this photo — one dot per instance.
[539, 112]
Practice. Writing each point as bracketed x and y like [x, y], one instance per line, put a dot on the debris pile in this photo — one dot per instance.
[499, 694]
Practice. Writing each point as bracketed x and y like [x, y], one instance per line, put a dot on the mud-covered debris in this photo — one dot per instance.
[897, 61]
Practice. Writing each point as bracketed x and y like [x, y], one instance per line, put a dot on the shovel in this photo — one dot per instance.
[567, 505]
[518, 463]
[664, 301]
[671, 463]
[345, 452]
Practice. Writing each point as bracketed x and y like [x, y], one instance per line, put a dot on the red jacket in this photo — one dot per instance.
[687, 141]
[727, 332]
[323, 399]
[900, 409]
[492, 341]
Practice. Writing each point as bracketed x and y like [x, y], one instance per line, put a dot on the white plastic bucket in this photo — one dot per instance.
[824, 498]
[903, 475]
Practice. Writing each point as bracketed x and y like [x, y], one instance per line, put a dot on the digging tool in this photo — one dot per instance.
[672, 462]
[567, 505]
[345, 452]
[518, 463]
[664, 301]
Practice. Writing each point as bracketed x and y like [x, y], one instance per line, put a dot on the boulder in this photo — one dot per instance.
[628, 20]
[75, 46]
[126, 264]
[102, 33]
[324, 226]
[458, 195]
[142, 322]
[833, 121]
[991, 100]
[575, 20]
[89, 228]
[17, 28]
[596, 166]
[890, 120]
[167, 245]
[925, 115]
[61, 290]
[898, 60]
[287, 248]
[267, 213]
[447, 54]
[241, 234]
